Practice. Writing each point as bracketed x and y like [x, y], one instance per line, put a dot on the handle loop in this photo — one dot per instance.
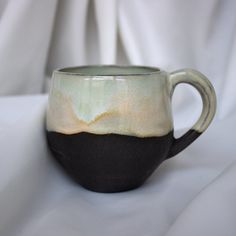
[207, 92]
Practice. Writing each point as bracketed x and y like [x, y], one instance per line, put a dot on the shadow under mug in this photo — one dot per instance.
[110, 127]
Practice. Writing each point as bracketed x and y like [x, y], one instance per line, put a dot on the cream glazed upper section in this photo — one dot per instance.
[130, 105]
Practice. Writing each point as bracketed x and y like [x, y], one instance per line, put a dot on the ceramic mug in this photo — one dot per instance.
[110, 127]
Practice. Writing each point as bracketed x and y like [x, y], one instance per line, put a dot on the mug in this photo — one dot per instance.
[110, 127]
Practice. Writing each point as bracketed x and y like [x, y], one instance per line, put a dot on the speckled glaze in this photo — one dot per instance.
[110, 127]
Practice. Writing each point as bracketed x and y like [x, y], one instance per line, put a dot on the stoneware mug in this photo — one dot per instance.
[110, 127]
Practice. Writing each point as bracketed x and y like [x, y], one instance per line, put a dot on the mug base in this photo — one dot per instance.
[109, 163]
[111, 187]
[97, 183]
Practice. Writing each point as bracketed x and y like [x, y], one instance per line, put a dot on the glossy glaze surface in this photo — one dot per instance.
[137, 105]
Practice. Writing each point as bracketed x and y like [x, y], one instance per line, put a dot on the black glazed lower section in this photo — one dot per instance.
[109, 162]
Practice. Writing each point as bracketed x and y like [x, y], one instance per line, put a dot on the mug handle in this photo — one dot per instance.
[207, 92]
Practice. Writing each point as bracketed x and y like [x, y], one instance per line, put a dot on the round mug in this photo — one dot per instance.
[110, 127]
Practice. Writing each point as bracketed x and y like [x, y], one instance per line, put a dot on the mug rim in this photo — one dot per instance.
[78, 70]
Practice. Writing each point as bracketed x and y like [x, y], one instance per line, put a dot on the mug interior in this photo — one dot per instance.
[109, 70]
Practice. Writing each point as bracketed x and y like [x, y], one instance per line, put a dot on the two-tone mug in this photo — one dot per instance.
[110, 127]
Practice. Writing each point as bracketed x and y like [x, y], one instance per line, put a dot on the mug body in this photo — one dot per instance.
[109, 127]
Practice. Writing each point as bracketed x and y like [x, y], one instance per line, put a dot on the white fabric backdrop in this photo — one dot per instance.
[191, 194]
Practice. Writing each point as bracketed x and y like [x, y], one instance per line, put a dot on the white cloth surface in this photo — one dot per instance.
[193, 193]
